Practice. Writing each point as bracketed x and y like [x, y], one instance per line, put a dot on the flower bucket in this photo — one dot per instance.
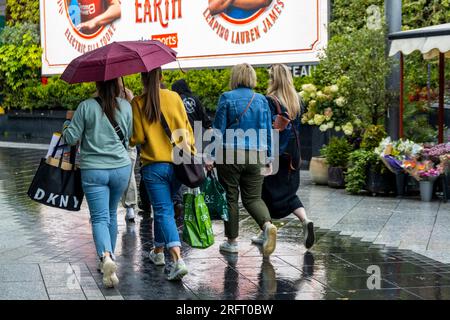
[426, 190]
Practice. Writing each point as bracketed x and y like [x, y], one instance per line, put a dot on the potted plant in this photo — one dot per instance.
[318, 168]
[366, 171]
[336, 154]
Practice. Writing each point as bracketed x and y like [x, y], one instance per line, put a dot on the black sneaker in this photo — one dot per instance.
[309, 234]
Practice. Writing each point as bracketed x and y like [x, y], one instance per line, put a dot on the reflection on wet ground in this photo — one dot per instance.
[47, 253]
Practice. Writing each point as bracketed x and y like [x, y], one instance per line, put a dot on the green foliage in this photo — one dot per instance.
[372, 137]
[424, 13]
[20, 62]
[359, 161]
[416, 123]
[56, 94]
[207, 84]
[22, 11]
[337, 152]
[15, 35]
[349, 16]
[359, 56]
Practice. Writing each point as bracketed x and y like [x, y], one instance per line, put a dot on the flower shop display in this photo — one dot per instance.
[366, 170]
[393, 153]
[427, 178]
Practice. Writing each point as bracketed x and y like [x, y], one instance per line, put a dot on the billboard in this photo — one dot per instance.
[205, 33]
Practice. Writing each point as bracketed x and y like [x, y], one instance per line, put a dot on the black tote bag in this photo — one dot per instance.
[57, 183]
[189, 172]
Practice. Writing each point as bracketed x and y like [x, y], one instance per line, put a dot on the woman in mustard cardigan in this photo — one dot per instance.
[156, 156]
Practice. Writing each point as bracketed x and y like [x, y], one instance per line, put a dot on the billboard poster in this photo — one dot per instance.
[205, 33]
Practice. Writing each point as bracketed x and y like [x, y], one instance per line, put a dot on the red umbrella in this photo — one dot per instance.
[118, 59]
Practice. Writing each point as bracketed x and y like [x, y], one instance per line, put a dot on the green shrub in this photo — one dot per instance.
[361, 58]
[337, 152]
[56, 94]
[359, 161]
[22, 11]
[372, 137]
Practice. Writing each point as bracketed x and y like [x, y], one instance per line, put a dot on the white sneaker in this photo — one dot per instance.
[259, 239]
[270, 239]
[157, 259]
[229, 247]
[110, 279]
[130, 215]
[178, 271]
[308, 228]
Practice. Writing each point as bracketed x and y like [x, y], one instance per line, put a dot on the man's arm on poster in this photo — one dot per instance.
[218, 6]
[112, 13]
[251, 4]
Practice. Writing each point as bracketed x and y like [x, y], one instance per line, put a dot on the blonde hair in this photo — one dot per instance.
[281, 85]
[243, 75]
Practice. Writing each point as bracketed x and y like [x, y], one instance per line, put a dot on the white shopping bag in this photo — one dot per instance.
[62, 151]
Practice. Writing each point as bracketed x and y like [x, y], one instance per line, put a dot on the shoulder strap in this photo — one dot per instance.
[245, 110]
[277, 103]
[114, 124]
[167, 129]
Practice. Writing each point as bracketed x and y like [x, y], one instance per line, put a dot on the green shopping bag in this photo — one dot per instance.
[215, 197]
[197, 231]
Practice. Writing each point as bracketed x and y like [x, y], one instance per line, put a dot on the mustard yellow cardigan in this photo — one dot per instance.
[155, 144]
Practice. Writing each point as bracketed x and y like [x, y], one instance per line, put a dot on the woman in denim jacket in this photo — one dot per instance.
[243, 122]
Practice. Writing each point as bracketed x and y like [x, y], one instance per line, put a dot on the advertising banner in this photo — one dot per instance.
[205, 33]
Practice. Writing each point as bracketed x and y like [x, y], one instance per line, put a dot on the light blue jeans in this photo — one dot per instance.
[103, 189]
[162, 186]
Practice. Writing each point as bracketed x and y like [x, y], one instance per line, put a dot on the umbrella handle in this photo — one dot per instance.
[179, 66]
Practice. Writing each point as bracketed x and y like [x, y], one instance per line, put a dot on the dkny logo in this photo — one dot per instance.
[57, 200]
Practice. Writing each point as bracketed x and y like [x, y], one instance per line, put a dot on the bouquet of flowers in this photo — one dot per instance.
[434, 153]
[425, 170]
[428, 174]
[398, 155]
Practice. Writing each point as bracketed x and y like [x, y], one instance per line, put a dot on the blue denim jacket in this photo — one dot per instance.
[258, 117]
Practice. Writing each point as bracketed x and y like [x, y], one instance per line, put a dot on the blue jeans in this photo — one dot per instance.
[103, 190]
[162, 186]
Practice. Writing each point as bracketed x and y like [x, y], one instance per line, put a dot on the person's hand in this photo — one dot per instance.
[88, 26]
[267, 170]
[209, 165]
[69, 114]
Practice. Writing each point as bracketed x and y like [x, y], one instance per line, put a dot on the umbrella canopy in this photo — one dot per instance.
[118, 59]
[430, 41]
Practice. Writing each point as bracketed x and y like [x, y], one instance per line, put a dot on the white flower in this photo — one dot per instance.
[340, 102]
[334, 88]
[323, 128]
[303, 94]
[310, 88]
[311, 122]
[330, 125]
[348, 129]
[338, 128]
[319, 119]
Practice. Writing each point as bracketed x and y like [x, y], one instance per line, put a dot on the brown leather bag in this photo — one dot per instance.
[281, 121]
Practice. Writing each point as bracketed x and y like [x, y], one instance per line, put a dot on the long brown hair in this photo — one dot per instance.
[281, 85]
[108, 91]
[151, 81]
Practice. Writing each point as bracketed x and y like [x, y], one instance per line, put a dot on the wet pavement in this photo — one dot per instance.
[49, 254]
